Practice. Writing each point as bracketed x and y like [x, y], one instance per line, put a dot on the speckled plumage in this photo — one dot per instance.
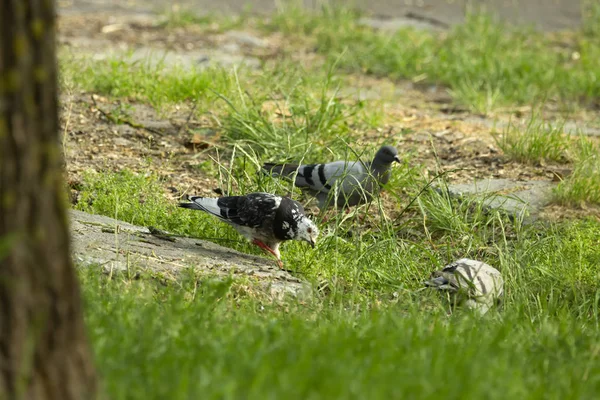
[473, 283]
[265, 219]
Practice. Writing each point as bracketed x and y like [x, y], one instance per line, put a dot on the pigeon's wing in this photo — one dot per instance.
[481, 283]
[324, 177]
[250, 210]
[486, 279]
[453, 277]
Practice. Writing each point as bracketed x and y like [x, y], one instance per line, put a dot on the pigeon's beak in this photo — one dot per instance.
[397, 158]
[312, 243]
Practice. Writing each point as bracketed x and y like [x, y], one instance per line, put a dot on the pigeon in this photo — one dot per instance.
[476, 284]
[265, 219]
[349, 183]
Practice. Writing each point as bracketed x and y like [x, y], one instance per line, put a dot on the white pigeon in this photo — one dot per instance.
[347, 183]
[473, 283]
[265, 219]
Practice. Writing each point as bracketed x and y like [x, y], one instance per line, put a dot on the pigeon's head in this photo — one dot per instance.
[442, 280]
[386, 155]
[307, 231]
[292, 224]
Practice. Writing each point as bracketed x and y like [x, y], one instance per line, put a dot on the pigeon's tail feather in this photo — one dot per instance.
[191, 206]
[206, 204]
[281, 169]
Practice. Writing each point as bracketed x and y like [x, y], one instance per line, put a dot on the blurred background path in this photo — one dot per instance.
[544, 14]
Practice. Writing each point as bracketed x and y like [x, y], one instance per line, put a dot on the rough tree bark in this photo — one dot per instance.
[44, 353]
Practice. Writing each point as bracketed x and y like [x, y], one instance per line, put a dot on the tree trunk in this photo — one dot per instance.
[44, 353]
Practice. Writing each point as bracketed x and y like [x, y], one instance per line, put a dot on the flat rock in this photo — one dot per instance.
[359, 94]
[125, 130]
[121, 141]
[158, 125]
[119, 246]
[395, 24]
[578, 128]
[570, 127]
[246, 39]
[520, 199]
[191, 59]
[102, 49]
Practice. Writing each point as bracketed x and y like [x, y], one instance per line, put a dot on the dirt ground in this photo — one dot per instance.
[421, 121]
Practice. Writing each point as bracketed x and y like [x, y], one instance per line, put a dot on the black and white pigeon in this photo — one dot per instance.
[265, 219]
[343, 183]
[473, 283]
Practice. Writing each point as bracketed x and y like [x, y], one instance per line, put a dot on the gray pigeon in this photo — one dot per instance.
[473, 283]
[348, 183]
[265, 219]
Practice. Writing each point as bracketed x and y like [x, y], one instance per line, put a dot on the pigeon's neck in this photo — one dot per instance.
[285, 223]
[380, 166]
[381, 171]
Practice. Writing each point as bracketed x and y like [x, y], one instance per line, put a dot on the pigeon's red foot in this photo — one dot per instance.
[270, 250]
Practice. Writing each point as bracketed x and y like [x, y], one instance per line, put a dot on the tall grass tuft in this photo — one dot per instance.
[536, 142]
[582, 187]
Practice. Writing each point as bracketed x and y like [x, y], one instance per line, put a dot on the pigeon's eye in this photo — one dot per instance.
[309, 230]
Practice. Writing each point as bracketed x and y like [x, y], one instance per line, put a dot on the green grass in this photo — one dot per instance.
[591, 18]
[582, 187]
[156, 343]
[278, 112]
[177, 17]
[540, 142]
[202, 338]
[140, 200]
[485, 64]
[305, 117]
[534, 143]
[369, 330]
[281, 113]
[364, 260]
[144, 81]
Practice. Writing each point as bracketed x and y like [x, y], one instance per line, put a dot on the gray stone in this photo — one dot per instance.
[230, 48]
[125, 130]
[159, 125]
[570, 127]
[247, 39]
[155, 57]
[520, 199]
[578, 128]
[119, 246]
[359, 94]
[394, 24]
[119, 141]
